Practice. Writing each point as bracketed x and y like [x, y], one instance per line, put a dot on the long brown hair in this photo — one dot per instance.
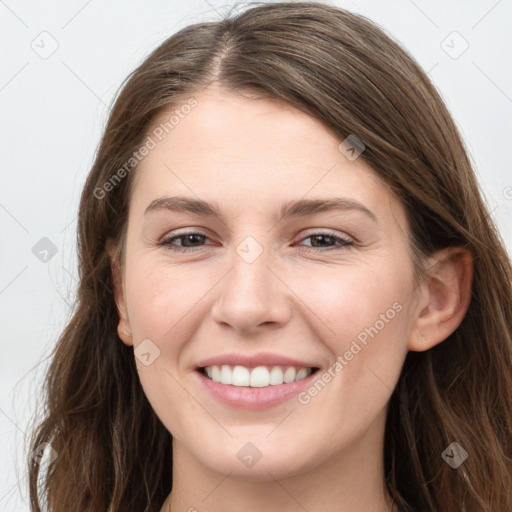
[113, 453]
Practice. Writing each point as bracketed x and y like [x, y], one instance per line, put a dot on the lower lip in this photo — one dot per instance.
[245, 397]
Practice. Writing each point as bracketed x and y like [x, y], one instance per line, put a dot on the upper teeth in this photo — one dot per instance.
[258, 377]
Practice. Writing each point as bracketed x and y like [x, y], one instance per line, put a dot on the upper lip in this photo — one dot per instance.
[254, 360]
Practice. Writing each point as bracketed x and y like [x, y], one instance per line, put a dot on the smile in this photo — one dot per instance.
[258, 377]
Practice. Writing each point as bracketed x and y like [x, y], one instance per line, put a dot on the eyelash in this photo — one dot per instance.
[343, 242]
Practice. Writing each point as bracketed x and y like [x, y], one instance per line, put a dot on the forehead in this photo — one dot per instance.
[245, 151]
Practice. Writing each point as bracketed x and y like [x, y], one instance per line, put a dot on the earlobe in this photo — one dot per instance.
[446, 295]
[125, 337]
[123, 327]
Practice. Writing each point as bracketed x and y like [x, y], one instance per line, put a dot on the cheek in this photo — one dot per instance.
[352, 301]
[162, 300]
[163, 307]
[367, 308]
[183, 417]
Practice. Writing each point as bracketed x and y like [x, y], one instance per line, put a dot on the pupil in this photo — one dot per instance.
[322, 237]
[191, 237]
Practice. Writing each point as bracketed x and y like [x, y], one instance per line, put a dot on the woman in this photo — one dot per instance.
[292, 296]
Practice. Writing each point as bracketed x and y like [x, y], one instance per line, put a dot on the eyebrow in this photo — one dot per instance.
[295, 208]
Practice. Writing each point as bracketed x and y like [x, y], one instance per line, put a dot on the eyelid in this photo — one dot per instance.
[327, 232]
[311, 231]
[344, 240]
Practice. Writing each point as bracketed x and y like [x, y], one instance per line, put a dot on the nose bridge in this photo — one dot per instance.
[250, 280]
[249, 295]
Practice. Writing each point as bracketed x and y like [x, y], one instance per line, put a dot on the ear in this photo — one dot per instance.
[444, 298]
[123, 328]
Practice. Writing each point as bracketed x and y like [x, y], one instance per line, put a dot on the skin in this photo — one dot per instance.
[250, 156]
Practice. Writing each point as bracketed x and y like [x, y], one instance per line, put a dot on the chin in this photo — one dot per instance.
[245, 460]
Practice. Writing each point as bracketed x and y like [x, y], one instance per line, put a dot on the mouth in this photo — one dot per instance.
[254, 388]
[254, 381]
[255, 377]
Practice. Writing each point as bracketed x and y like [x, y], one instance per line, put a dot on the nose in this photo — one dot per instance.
[252, 296]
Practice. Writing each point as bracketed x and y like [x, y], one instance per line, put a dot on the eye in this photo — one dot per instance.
[326, 238]
[190, 237]
[193, 241]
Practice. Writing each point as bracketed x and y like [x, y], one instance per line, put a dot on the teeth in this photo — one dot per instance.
[259, 377]
[289, 374]
[226, 375]
[301, 374]
[276, 375]
[238, 377]
[215, 373]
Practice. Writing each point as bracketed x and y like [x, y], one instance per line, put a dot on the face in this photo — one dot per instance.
[328, 293]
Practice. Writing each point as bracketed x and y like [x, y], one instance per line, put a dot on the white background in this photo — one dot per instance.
[53, 111]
